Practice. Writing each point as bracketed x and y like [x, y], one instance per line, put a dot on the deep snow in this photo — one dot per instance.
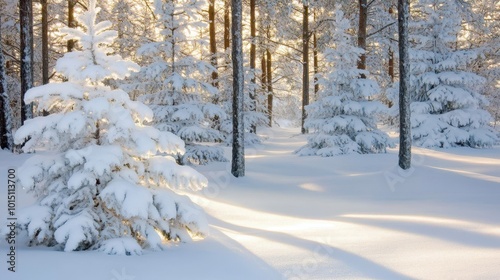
[344, 217]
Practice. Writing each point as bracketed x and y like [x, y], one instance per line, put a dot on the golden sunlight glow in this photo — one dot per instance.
[454, 157]
[312, 187]
[494, 179]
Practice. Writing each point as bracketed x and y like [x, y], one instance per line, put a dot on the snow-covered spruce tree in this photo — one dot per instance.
[343, 119]
[177, 81]
[103, 180]
[447, 100]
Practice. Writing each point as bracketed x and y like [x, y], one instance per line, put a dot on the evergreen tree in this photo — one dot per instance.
[343, 118]
[447, 100]
[177, 82]
[100, 182]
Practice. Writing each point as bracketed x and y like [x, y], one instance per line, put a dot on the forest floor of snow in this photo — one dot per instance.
[290, 217]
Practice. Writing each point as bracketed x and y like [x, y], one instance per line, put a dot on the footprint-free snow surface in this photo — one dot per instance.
[290, 217]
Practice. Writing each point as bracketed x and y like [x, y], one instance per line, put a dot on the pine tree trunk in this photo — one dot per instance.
[253, 86]
[213, 43]
[270, 94]
[4, 144]
[404, 83]
[238, 149]
[363, 16]
[391, 56]
[316, 66]
[305, 65]
[45, 43]
[71, 22]
[26, 25]
[263, 79]
[227, 24]
[6, 139]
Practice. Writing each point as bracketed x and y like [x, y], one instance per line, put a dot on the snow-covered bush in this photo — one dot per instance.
[103, 180]
[343, 119]
[447, 98]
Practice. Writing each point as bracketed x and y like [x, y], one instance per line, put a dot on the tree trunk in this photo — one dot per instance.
[405, 138]
[363, 16]
[238, 149]
[270, 94]
[253, 85]
[45, 43]
[316, 66]
[305, 65]
[263, 80]
[391, 56]
[6, 141]
[263, 66]
[71, 22]
[26, 23]
[227, 24]
[213, 43]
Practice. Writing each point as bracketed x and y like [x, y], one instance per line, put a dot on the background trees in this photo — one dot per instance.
[343, 117]
[279, 39]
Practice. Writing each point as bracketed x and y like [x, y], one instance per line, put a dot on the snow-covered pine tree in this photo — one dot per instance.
[447, 100]
[343, 119]
[178, 83]
[103, 180]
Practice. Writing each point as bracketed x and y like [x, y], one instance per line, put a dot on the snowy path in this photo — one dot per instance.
[348, 217]
[357, 217]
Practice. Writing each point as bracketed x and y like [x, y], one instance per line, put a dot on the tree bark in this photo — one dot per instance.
[405, 137]
[6, 112]
[253, 85]
[270, 94]
[45, 43]
[363, 16]
[213, 43]
[238, 149]
[391, 56]
[305, 65]
[227, 24]
[71, 22]
[263, 77]
[316, 66]
[26, 23]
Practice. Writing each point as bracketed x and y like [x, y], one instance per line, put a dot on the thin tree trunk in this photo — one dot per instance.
[6, 141]
[238, 149]
[391, 65]
[71, 22]
[316, 66]
[45, 43]
[405, 137]
[227, 24]
[253, 86]
[391, 56]
[270, 94]
[363, 16]
[263, 78]
[26, 23]
[305, 65]
[213, 43]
